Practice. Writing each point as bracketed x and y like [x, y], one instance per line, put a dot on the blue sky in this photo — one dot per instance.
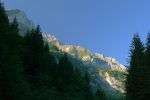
[104, 26]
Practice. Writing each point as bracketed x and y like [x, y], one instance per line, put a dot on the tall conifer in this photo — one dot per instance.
[134, 81]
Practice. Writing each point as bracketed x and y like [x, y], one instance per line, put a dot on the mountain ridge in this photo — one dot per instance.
[24, 23]
[66, 48]
[105, 72]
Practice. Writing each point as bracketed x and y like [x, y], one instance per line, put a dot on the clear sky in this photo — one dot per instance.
[104, 26]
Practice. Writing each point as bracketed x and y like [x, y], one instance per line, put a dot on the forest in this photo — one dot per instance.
[138, 79]
[28, 70]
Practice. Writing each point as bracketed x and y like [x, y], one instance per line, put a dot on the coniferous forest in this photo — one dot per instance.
[28, 71]
[138, 79]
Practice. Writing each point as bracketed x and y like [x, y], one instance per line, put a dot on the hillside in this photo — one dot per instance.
[105, 72]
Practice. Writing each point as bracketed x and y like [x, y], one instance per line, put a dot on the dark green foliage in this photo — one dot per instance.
[33, 53]
[137, 84]
[3, 20]
[87, 88]
[13, 85]
[76, 87]
[28, 70]
[136, 57]
[147, 68]
[100, 95]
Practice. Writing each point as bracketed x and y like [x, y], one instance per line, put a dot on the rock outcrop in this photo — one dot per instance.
[97, 61]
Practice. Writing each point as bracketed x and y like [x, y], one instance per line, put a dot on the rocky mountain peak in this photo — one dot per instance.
[51, 39]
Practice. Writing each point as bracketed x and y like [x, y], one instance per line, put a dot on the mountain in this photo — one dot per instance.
[24, 23]
[105, 72]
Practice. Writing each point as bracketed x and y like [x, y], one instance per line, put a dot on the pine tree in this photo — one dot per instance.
[4, 23]
[13, 84]
[4, 27]
[28, 70]
[34, 46]
[134, 82]
[64, 72]
[39, 65]
[146, 89]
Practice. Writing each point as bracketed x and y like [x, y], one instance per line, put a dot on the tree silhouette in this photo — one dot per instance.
[29, 71]
[136, 84]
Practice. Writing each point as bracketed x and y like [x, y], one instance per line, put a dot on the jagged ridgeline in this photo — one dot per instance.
[105, 73]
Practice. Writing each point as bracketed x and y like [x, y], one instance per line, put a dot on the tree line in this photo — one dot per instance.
[138, 79]
[29, 71]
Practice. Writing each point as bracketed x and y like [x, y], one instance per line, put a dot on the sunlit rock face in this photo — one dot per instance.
[51, 39]
[105, 72]
[109, 68]
[115, 83]
[112, 62]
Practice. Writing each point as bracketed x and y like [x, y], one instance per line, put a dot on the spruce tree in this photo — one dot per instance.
[34, 47]
[39, 65]
[13, 84]
[64, 72]
[146, 89]
[4, 22]
[28, 70]
[134, 82]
